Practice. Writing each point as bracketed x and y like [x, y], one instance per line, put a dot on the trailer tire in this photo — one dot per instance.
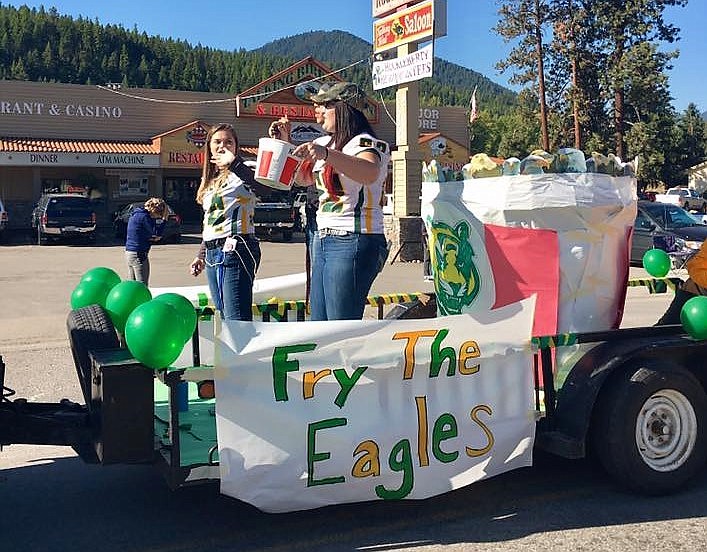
[90, 329]
[650, 428]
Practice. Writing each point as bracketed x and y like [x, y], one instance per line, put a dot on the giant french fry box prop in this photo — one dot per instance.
[564, 237]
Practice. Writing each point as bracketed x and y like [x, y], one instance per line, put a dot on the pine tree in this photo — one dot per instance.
[524, 21]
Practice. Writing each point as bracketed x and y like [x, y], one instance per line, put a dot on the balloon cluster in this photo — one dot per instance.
[155, 330]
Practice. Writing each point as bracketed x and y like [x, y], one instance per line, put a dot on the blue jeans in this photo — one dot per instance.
[230, 276]
[343, 270]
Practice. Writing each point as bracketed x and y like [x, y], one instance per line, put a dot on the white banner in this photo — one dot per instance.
[411, 67]
[319, 413]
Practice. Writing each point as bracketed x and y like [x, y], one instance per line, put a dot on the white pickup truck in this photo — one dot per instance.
[687, 198]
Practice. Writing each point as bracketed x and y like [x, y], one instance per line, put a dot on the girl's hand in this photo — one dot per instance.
[197, 266]
[311, 151]
[280, 129]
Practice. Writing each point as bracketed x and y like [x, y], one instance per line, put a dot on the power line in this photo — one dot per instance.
[114, 90]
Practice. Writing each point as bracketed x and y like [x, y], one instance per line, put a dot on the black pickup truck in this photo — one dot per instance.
[275, 211]
[275, 214]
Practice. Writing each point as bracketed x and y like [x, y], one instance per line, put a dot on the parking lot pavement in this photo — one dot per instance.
[38, 280]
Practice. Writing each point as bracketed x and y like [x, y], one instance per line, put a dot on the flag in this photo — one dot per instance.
[472, 107]
[526, 261]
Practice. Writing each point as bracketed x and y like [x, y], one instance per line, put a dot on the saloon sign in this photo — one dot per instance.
[414, 24]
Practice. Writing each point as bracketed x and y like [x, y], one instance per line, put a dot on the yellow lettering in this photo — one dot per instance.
[369, 462]
[310, 379]
[422, 428]
[412, 338]
[469, 349]
[473, 452]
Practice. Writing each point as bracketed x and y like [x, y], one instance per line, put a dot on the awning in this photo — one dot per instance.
[24, 145]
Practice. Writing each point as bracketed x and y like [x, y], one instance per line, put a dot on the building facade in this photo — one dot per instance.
[697, 177]
[124, 145]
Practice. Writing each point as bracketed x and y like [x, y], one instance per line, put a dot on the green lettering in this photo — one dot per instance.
[346, 383]
[445, 428]
[439, 355]
[313, 456]
[404, 464]
[281, 365]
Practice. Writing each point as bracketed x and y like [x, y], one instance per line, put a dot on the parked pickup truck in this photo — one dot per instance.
[275, 213]
[275, 210]
[686, 198]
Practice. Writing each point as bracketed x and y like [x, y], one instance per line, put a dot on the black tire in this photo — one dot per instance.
[414, 310]
[90, 329]
[287, 235]
[650, 427]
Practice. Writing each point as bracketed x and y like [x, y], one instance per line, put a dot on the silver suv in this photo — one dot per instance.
[60, 216]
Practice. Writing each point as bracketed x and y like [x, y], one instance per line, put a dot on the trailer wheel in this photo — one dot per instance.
[650, 429]
[90, 329]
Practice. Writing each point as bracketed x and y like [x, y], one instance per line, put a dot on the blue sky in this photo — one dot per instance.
[470, 40]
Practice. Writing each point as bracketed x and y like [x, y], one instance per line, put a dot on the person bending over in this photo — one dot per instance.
[143, 230]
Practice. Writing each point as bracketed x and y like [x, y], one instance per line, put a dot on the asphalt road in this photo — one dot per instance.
[51, 500]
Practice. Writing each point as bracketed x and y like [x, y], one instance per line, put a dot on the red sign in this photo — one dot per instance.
[293, 111]
[410, 25]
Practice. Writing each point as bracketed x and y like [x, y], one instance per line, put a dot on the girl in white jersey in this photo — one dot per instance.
[230, 252]
[348, 167]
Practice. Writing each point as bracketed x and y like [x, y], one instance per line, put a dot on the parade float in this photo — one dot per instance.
[518, 348]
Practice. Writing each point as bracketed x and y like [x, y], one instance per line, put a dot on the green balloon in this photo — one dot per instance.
[153, 333]
[185, 311]
[123, 298]
[693, 316]
[656, 262]
[108, 275]
[90, 292]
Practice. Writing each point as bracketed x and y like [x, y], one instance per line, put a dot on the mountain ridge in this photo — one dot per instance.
[451, 84]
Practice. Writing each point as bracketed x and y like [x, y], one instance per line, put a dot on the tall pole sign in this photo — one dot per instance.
[402, 25]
